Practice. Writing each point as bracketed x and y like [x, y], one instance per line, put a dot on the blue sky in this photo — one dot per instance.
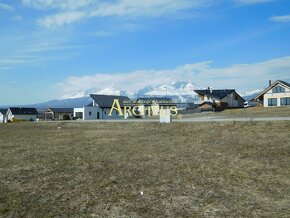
[52, 48]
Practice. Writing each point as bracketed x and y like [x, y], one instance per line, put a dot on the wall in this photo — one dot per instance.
[24, 117]
[59, 116]
[21, 117]
[78, 110]
[103, 113]
[115, 114]
[89, 113]
[208, 98]
[165, 116]
[233, 100]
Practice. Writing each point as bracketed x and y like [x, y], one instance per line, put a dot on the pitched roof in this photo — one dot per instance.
[272, 85]
[216, 93]
[106, 101]
[208, 103]
[154, 99]
[164, 101]
[23, 111]
[62, 110]
[285, 83]
[3, 111]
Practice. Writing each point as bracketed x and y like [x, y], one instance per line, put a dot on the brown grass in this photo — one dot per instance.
[184, 169]
[259, 111]
[248, 112]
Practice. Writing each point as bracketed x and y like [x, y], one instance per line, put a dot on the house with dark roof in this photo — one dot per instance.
[59, 113]
[221, 98]
[154, 103]
[21, 113]
[275, 95]
[100, 108]
[3, 115]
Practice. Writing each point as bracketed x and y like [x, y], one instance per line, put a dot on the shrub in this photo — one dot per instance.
[13, 120]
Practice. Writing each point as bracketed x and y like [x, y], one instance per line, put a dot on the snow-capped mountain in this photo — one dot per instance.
[182, 88]
[248, 95]
[111, 90]
[143, 91]
[179, 91]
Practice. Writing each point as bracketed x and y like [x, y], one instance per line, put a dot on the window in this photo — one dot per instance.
[90, 113]
[117, 112]
[278, 89]
[285, 101]
[79, 115]
[272, 102]
[105, 112]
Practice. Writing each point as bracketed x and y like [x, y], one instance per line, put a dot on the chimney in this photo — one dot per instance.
[270, 82]
[210, 89]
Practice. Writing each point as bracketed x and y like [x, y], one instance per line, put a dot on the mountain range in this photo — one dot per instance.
[180, 91]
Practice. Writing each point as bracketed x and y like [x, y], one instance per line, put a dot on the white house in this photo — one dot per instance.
[88, 113]
[20, 113]
[277, 94]
[223, 98]
[3, 115]
[100, 108]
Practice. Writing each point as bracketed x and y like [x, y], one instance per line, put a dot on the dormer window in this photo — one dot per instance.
[278, 89]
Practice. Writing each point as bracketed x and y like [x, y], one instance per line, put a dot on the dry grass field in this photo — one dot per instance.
[258, 111]
[248, 112]
[184, 169]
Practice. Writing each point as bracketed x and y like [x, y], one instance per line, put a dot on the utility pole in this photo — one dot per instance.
[166, 93]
